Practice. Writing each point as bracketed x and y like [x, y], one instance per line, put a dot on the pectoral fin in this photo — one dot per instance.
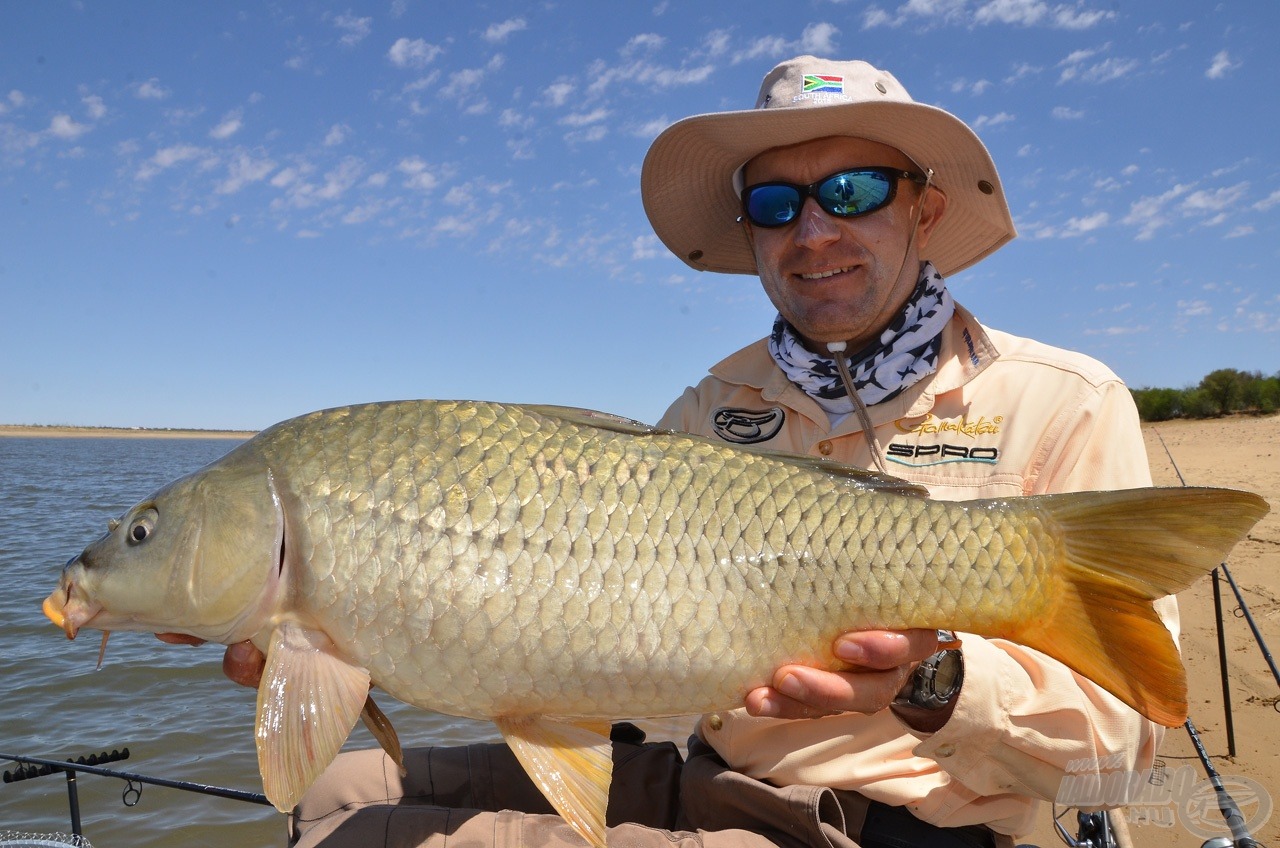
[309, 700]
[571, 764]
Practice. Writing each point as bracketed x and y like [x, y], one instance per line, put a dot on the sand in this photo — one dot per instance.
[1243, 453]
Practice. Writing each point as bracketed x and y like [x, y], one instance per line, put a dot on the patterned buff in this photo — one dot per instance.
[905, 353]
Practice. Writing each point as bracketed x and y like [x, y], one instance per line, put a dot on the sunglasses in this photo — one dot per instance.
[845, 194]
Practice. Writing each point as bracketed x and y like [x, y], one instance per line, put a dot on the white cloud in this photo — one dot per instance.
[417, 173]
[716, 42]
[1024, 12]
[1081, 226]
[1080, 67]
[1148, 213]
[94, 106]
[65, 127]
[1065, 17]
[644, 247]
[1193, 308]
[150, 90]
[336, 135]
[1066, 113]
[1214, 201]
[557, 94]
[499, 33]
[13, 100]
[167, 157]
[769, 46]
[819, 39]
[593, 133]
[415, 53]
[242, 171]
[228, 126]
[1121, 330]
[582, 119]
[354, 30]
[650, 129]
[646, 42]
[992, 120]
[1221, 66]
[1268, 201]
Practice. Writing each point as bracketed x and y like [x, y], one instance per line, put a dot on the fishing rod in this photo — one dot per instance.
[31, 767]
[1240, 836]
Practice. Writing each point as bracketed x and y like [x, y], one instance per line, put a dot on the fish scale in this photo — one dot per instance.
[545, 567]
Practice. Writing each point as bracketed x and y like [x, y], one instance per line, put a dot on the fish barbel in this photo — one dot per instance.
[552, 569]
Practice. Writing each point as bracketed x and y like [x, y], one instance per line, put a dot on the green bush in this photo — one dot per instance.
[1221, 392]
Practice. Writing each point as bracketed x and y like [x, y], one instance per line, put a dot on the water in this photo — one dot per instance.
[169, 704]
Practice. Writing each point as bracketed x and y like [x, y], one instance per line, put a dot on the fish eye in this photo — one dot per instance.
[141, 527]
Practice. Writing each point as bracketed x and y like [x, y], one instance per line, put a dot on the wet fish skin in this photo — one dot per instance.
[538, 566]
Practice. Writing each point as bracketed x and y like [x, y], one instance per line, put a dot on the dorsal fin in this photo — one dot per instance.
[860, 477]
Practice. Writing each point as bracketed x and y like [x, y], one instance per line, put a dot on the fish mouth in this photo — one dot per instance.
[68, 610]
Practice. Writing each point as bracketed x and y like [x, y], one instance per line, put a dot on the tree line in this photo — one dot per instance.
[1221, 392]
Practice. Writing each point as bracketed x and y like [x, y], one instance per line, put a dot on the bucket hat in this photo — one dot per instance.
[687, 182]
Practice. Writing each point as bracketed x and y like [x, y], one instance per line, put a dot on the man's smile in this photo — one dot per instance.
[822, 275]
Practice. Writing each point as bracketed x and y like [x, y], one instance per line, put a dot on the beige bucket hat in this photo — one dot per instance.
[687, 182]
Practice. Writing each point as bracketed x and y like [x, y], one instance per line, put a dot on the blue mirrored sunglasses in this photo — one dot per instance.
[845, 194]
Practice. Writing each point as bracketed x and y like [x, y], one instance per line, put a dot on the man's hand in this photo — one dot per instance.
[880, 662]
[242, 662]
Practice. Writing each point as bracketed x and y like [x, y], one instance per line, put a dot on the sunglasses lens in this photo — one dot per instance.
[773, 205]
[855, 192]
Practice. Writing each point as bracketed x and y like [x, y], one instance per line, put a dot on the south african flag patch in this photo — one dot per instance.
[823, 83]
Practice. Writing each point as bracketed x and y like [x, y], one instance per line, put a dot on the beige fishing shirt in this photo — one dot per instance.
[1001, 416]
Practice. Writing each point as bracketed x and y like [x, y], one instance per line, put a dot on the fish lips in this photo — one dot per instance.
[68, 608]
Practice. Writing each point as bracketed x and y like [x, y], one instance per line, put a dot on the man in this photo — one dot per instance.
[852, 203]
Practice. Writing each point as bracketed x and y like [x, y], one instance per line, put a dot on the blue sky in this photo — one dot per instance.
[225, 214]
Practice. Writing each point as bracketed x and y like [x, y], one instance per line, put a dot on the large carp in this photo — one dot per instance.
[551, 569]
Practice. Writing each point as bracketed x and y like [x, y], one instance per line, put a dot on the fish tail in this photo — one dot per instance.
[1120, 552]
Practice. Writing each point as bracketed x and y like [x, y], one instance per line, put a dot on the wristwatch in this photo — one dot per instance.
[935, 683]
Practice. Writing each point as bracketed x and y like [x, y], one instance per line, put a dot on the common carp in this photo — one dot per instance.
[552, 569]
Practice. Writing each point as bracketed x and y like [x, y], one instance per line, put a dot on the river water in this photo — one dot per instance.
[169, 704]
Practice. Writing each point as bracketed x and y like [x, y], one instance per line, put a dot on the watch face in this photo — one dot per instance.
[946, 675]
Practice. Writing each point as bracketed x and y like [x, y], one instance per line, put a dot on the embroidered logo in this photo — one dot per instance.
[962, 429]
[824, 83]
[961, 426]
[747, 426]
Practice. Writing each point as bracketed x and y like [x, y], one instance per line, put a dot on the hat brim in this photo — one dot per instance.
[687, 180]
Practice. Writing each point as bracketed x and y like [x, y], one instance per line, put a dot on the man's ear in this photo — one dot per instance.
[934, 206]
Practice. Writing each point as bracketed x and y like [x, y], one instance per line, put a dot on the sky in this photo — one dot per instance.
[221, 215]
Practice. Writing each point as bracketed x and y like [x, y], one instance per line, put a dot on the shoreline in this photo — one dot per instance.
[35, 431]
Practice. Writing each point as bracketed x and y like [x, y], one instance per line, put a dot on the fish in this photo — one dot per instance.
[554, 569]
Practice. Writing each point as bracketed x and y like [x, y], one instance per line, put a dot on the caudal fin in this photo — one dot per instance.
[1121, 551]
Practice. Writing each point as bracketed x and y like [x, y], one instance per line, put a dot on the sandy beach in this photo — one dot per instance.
[1243, 453]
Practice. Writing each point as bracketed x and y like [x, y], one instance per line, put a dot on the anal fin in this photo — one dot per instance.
[571, 764]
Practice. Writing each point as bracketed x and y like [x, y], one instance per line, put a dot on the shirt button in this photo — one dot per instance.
[824, 447]
[946, 750]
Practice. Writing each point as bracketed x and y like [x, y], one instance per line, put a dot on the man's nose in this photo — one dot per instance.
[815, 228]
